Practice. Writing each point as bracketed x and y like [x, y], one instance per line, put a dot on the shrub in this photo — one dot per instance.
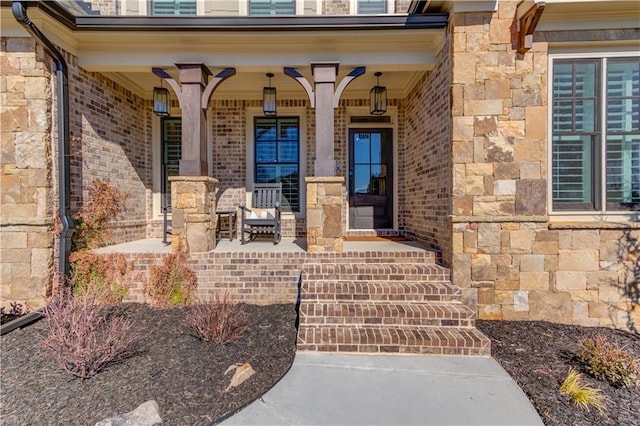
[105, 203]
[173, 282]
[103, 275]
[84, 337]
[581, 394]
[219, 321]
[606, 361]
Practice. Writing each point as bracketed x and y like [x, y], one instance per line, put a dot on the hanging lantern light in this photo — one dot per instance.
[161, 101]
[269, 98]
[378, 94]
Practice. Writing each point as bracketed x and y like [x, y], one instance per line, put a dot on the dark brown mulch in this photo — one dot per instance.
[538, 356]
[184, 375]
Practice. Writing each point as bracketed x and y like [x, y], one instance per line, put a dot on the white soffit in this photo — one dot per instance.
[569, 15]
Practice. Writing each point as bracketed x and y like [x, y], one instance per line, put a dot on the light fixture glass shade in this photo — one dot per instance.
[269, 101]
[161, 101]
[378, 101]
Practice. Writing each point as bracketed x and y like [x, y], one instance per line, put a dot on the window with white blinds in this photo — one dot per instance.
[171, 154]
[595, 153]
[173, 7]
[277, 156]
[272, 7]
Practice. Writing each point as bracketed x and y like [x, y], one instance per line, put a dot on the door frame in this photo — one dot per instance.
[392, 112]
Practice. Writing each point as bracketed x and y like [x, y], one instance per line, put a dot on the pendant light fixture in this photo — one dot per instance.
[378, 95]
[269, 98]
[161, 101]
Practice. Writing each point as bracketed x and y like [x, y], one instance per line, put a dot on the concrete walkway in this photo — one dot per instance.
[339, 389]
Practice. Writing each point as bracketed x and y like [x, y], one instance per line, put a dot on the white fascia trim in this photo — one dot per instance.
[301, 113]
[564, 215]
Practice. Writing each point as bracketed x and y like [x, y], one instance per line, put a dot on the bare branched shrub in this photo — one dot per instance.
[219, 321]
[84, 337]
[173, 282]
[105, 275]
[105, 203]
[606, 361]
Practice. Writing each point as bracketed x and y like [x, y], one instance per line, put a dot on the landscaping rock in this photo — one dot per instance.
[147, 414]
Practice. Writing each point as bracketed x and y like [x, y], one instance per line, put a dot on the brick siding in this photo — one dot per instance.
[426, 172]
[111, 139]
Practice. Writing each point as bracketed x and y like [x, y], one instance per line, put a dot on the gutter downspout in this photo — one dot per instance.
[64, 162]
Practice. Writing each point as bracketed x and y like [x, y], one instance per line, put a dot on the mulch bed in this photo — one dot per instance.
[182, 374]
[538, 356]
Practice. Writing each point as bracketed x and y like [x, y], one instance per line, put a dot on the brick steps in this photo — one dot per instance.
[413, 340]
[385, 307]
[380, 291]
[377, 272]
[432, 314]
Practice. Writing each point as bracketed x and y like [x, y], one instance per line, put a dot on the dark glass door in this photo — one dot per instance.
[370, 179]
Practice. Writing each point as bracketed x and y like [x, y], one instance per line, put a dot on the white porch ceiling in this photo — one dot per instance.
[403, 57]
[127, 57]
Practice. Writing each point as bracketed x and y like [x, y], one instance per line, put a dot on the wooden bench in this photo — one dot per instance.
[256, 220]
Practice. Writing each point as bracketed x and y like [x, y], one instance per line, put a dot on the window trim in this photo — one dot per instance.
[298, 112]
[277, 142]
[602, 213]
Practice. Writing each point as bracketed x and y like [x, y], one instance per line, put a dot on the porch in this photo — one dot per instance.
[374, 296]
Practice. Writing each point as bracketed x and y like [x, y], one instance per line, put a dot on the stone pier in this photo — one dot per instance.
[193, 208]
[324, 213]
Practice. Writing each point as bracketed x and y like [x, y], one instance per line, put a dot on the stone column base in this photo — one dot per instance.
[193, 206]
[324, 213]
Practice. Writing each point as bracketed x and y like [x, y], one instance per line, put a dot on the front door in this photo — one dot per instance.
[370, 179]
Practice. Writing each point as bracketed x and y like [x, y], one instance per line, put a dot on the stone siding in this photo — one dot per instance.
[512, 260]
[111, 139]
[553, 272]
[26, 214]
[426, 171]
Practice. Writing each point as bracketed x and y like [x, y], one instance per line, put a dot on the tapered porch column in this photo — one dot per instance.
[193, 191]
[324, 77]
[324, 189]
[193, 80]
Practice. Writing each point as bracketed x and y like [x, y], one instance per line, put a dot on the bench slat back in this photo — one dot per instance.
[266, 195]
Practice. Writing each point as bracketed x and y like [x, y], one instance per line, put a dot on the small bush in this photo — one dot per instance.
[84, 337]
[581, 394]
[173, 282]
[219, 321]
[605, 361]
[102, 275]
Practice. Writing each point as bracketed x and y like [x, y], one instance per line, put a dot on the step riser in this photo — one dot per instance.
[442, 315]
[412, 298]
[381, 277]
[376, 339]
[427, 322]
[413, 350]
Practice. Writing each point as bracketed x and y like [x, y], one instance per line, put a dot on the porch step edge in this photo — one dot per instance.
[397, 339]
